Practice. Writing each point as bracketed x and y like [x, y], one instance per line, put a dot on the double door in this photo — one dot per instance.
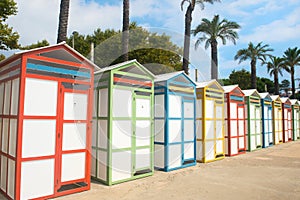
[131, 138]
[214, 130]
[267, 126]
[55, 135]
[255, 128]
[181, 131]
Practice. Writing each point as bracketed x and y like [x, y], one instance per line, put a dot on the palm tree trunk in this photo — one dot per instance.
[187, 38]
[125, 34]
[276, 84]
[253, 74]
[63, 21]
[214, 62]
[293, 82]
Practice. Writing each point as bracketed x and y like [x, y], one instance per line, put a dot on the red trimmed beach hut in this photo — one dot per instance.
[287, 119]
[235, 131]
[45, 123]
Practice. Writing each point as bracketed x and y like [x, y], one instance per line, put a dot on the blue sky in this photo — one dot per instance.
[274, 22]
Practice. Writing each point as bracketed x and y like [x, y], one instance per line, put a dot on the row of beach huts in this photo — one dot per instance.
[63, 121]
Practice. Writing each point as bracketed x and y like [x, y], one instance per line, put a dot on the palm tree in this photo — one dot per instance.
[211, 32]
[63, 21]
[254, 53]
[275, 67]
[292, 59]
[187, 30]
[125, 34]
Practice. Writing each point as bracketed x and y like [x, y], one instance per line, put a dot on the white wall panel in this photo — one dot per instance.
[37, 179]
[15, 97]
[40, 97]
[175, 159]
[241, 142]
[93, 162]
[175, 105]
[188, 110]
[209, 109]
[159, 156]
[159, 105]
[233, 128]
[74, 136]
[121, 134]
[43, 131]
[209, 150]
[1, 97]
[188, 151]
[219, 129]
[175, 131]
[102, 134]
[234, 145]
[75, 106]
[122, 103]
[241, 127]
[102, 165]
[7, 96]
[219, 111]
[143, 107]
[159, 130]
[219, 147]
[188, 130]
[3, 173]
[233, 110]
[142, 158]
[199, 150]
[5, 135]
[103, 103]
[11, 178]
[210, 129]
[121, 165]
[143, 133]
[199, 129]
[12, 137]
[241, 113]
[73, 166]
[199, 108]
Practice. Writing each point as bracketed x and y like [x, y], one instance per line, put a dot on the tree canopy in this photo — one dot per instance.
[156, 51]
[8, 38]
[243, 77]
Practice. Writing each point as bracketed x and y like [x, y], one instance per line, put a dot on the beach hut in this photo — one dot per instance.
[296, 119]
[210, 121]
[122, 145]
[267, 123]
[235, 128]
[287, 119]
[277, 119]
[253, 109]
[175, 139]
[45, 123]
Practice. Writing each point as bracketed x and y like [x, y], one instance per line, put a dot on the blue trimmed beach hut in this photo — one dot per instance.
[267, 123]
[175, 132]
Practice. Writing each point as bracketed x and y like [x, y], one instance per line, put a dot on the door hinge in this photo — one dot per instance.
[58, 135]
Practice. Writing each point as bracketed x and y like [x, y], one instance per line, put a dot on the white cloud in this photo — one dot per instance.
[277, 31]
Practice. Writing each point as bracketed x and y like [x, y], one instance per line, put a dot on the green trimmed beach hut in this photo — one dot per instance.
[296, 119]
[253, 120]
[122, 144]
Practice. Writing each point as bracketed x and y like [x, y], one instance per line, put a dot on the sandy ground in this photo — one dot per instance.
[272, 173]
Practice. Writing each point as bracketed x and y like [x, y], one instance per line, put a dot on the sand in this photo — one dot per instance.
[272, 173]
